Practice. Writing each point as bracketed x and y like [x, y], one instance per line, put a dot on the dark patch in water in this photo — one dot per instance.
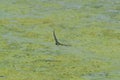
[2, 76]
[47, 60]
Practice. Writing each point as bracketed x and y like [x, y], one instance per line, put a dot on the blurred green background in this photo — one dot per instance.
[28, 51]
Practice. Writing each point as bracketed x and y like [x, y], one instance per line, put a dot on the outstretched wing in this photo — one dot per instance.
[55, 38]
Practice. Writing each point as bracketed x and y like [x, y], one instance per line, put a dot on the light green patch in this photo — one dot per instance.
[28, 50]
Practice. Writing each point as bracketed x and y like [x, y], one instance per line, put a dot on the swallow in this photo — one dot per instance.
[56, 40]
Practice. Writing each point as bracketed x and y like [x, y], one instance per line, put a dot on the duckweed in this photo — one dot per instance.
[28, 51]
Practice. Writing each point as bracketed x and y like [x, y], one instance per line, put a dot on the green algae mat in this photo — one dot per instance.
[27, 46]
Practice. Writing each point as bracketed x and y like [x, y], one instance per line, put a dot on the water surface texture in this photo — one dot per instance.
[28, 50]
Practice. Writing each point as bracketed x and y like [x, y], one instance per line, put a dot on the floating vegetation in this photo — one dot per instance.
[27, 46]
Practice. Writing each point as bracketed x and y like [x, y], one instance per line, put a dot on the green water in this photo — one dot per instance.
[28, 51]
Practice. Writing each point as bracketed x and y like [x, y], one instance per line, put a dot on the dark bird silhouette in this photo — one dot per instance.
[56, 40]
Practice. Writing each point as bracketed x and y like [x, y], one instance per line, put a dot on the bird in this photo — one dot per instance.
[56, 40]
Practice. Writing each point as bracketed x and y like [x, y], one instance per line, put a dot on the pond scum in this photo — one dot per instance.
[28, 51]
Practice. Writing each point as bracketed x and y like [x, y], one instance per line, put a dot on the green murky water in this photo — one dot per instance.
[27, 49]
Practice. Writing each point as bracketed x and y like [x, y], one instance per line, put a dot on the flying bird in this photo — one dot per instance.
[56, 40]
